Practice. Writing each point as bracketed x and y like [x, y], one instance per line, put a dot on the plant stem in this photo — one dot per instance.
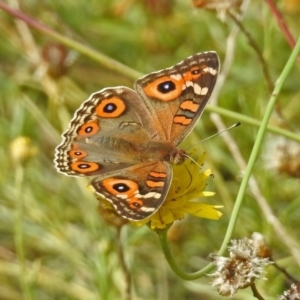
[255, 47]
[257, 144]
[162, 234]
[255, 292]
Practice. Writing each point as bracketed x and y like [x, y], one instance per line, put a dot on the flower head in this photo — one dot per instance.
[22, 149]
[188, 183]
[240, 269]
[282, 156]
[292, 294]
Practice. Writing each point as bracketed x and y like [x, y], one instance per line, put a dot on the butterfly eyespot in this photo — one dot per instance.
[121, 187]
[84, 167]
[77, 154]
[136, 204]
[166, 87]
[88, 129]
[195, 72]
[110, 108]
[117, 186]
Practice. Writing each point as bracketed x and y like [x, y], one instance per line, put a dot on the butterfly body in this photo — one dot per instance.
[129, 138]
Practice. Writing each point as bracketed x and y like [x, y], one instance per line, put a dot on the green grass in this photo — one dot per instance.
[54, 244]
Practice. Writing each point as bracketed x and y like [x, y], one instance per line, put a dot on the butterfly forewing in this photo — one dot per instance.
[102, 133]
[178, 95]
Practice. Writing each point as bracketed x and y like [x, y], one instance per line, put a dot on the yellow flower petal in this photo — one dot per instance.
[203, 210]
[188, 184]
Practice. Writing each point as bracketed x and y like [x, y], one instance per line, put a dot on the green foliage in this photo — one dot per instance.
[53, 242]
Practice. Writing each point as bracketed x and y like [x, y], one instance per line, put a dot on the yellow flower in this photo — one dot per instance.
[189, 183]
[22, 149]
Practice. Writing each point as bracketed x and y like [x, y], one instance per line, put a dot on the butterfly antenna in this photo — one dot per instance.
[208, 138]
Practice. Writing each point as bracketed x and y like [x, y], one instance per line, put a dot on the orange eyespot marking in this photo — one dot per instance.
[193, 74]
[189, 105]
[155, 184]
[110, 108]
[135, 203]
[84, 167]
[79, 154]
[182, 120]
[158, 174]
[117, 186]
[89, 128]
[164, 88]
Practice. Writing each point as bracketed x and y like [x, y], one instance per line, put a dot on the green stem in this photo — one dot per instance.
[162, 237]
[259, 139]
[162, 234]
[121, 254]
[251, 121]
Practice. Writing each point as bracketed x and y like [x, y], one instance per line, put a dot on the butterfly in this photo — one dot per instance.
[128, 138]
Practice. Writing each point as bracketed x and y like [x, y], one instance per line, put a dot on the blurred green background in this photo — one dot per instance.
[54, 244]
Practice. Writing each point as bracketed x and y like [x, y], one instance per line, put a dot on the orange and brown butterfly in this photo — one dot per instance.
[128, 139]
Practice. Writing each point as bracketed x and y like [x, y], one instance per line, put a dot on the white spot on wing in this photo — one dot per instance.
[176, 77]
[204, 91]
[122, 196]
[197, 89]
[149, 195]
[189, 83]
[210, 70]
[152, 195]
[147, 209]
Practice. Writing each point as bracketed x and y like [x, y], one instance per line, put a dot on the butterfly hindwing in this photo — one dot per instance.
[137, 192]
